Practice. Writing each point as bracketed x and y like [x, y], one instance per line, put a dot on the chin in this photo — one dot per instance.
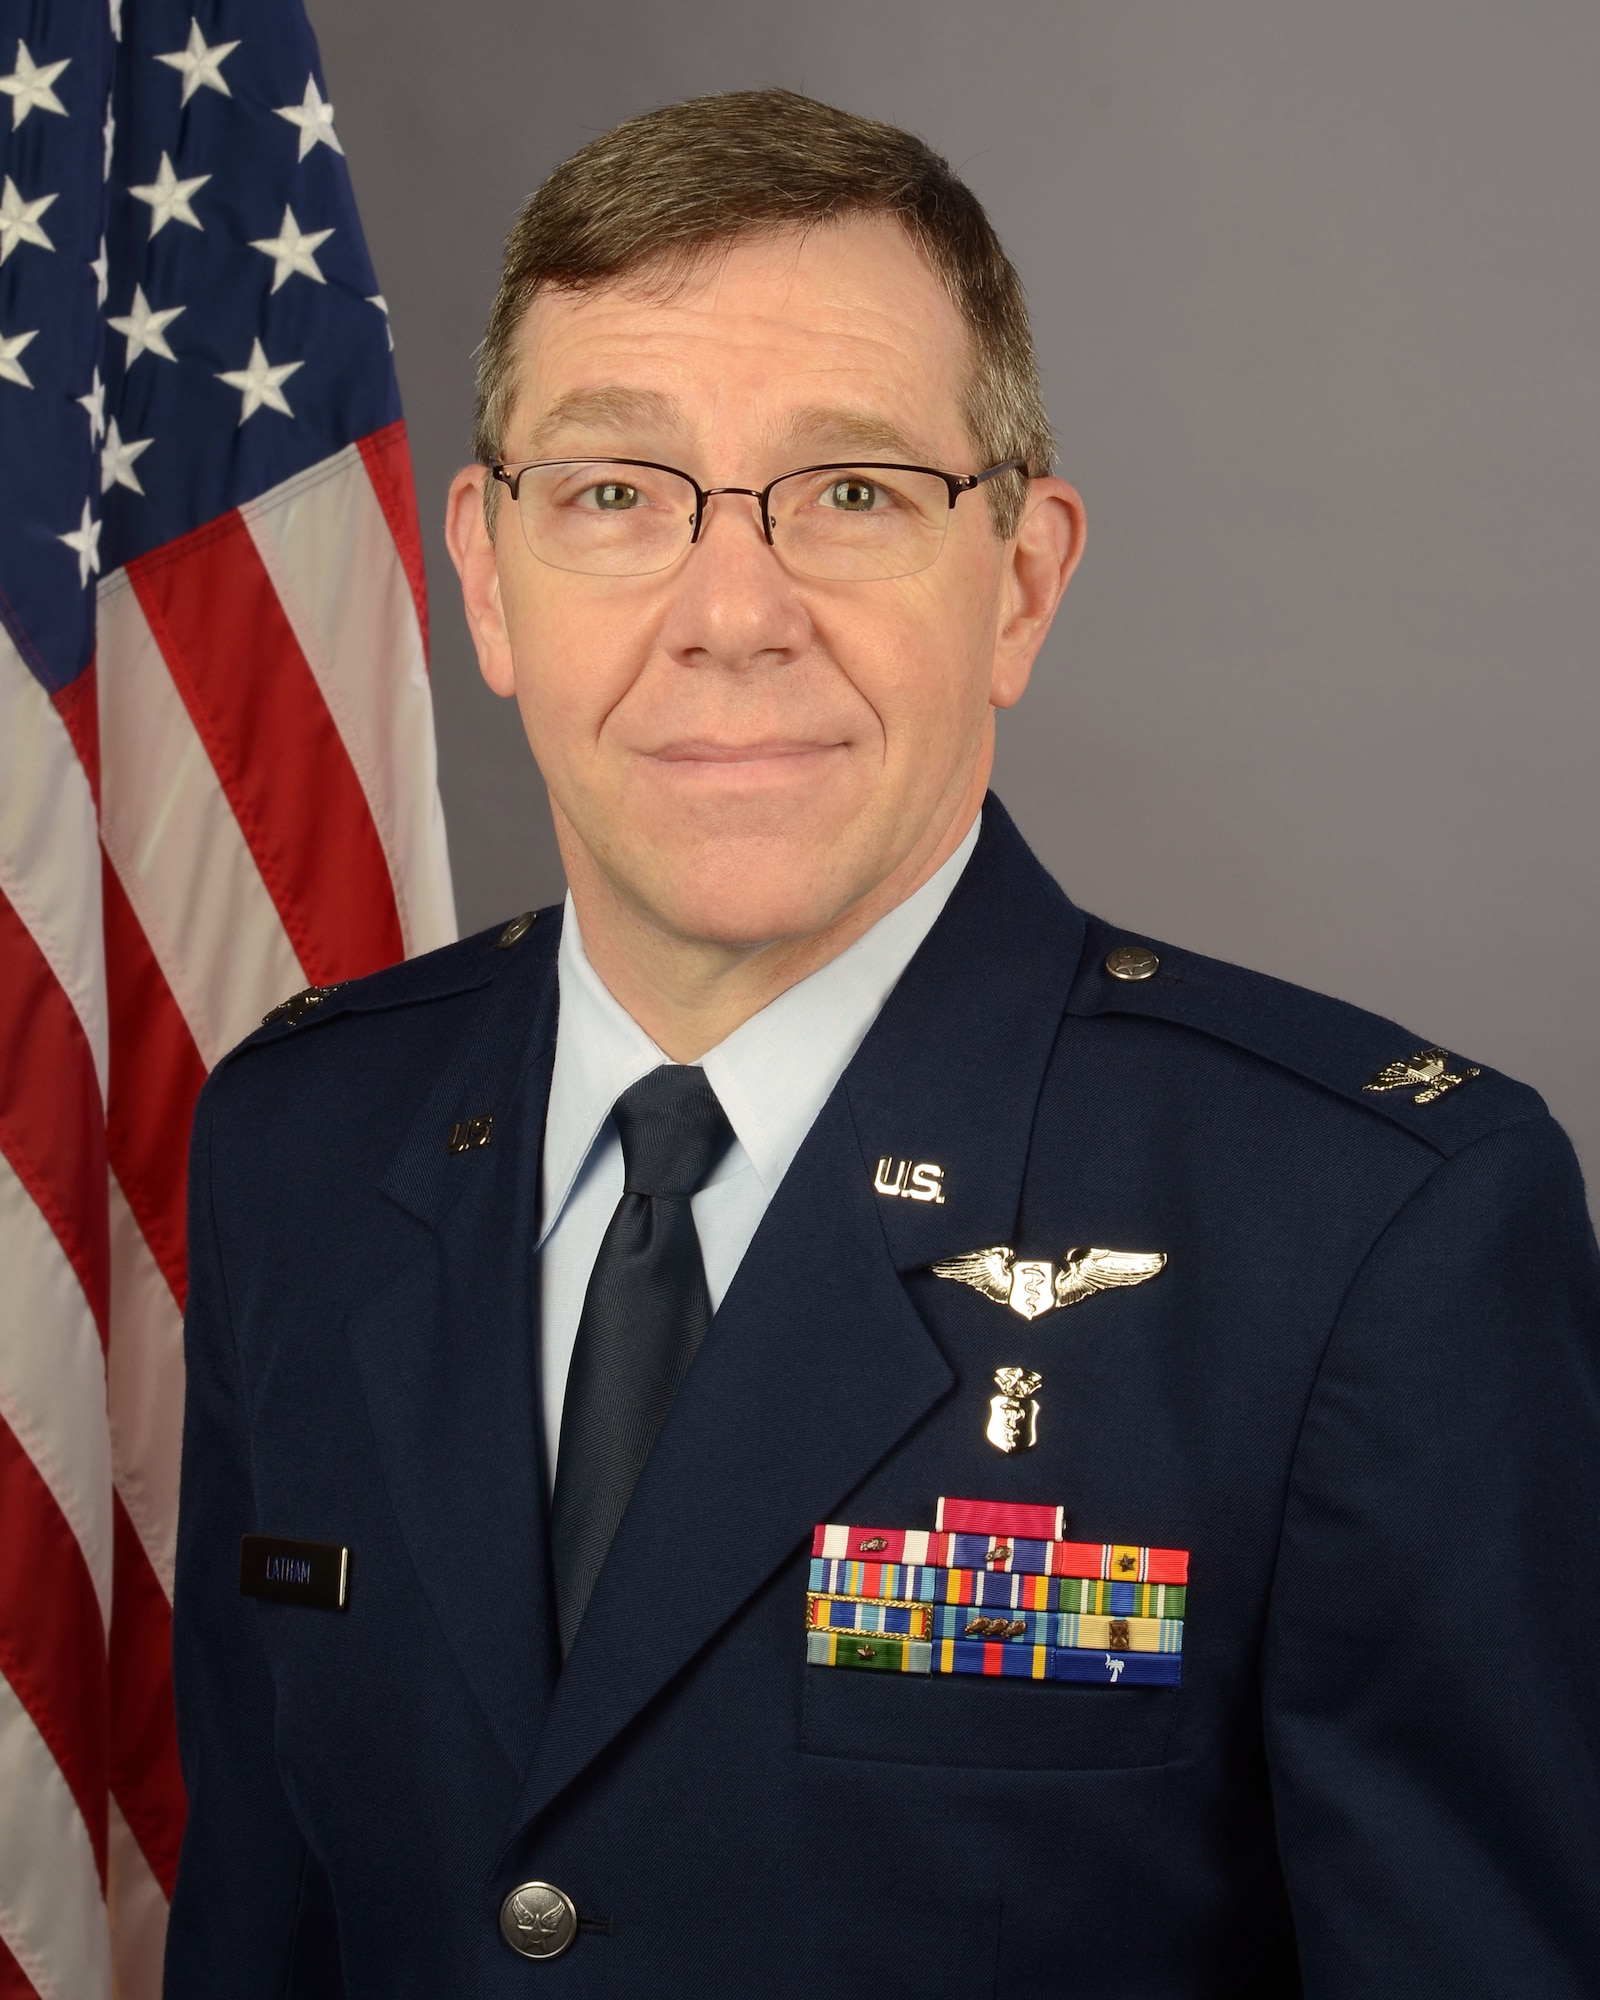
[752, 894]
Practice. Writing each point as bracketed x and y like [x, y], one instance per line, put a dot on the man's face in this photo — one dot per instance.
[743, 755]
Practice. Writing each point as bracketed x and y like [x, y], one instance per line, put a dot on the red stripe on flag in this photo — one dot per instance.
[52, 1126]
[14, 1982]
[288, 777]
[156, 1074]
[387, 454]
[145, 1775]
[79, 708]
[52, 1643]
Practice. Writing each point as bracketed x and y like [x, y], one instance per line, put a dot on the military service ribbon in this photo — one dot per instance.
[864, 1614]
[1113, 1561]
[1057, 1628]
[1056, 1663]
[905, 1583]
[1000, 1517]
[995, 1591]
[852, 1649]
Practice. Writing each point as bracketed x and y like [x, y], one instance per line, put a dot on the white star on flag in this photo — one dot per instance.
[19, 220]
[200, 66]
[95, 404]
[101, 268]
[291, 250]
[377, 299]
[84, 541]
[110, 136]
[146, 330]
[28, 86]
[11, 369]
[116, 17]
[169, 198]
[261, 384]
[117, 457]
[315, 119]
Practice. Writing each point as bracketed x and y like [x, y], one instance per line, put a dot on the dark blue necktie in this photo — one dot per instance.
[644, 1314]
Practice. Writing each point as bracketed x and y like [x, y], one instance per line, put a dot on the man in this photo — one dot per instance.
[818, 1418]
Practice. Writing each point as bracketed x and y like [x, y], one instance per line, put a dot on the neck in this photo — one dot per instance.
[689, 994]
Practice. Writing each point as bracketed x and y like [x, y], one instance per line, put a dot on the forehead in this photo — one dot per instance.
[760, 337]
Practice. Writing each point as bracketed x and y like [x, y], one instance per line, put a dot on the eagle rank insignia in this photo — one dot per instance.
[1032, 1286]
[1428, 1072]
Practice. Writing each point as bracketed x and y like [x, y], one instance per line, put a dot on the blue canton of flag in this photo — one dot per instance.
[188, 315]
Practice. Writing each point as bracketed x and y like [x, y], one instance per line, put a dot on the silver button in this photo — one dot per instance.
[1132, 961]
[516, 930]
[539, 1920]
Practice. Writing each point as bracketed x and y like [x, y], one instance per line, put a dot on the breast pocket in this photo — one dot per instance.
[980, 1723]
[991, 1642]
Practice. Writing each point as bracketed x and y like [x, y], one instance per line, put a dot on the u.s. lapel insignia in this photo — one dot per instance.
[1013, 1414]
[1032, 1286]
[910, 1180]
[466, 1134]
[1428, 1071]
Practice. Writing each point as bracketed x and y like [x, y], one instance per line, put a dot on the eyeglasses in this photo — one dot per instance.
[855, 523]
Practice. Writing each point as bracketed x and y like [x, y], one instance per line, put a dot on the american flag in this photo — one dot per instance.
[216, 786]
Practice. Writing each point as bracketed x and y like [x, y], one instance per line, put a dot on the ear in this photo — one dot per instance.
[1039, 561]
[467, 536]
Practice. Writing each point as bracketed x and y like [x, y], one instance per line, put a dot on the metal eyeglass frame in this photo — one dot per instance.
[956, 483]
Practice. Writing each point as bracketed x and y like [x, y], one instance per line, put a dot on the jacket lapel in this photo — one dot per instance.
[754, 1450]
[447, 1354]
[951, 1073]
[817, 1364]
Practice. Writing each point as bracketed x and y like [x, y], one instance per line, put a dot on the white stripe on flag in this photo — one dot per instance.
[53, 1379]
[138, 1914]
[146, 1390]
[48, 850]
[175, 844]
[51, 1913]
[326, 546]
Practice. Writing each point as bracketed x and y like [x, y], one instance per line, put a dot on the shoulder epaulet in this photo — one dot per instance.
[1436, 1095]
[435, 975]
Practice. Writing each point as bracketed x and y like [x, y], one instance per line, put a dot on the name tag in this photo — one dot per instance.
[287, 1572]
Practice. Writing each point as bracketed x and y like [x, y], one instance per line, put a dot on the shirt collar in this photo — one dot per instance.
[772, 1075]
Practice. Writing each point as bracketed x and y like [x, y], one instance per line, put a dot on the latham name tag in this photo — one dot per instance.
[316, 1574]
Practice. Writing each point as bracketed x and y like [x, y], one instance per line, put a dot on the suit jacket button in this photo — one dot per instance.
[1132, 961]
[538, 1920]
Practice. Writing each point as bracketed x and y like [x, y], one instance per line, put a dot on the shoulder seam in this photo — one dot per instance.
[1341, 1048]
[479, 959]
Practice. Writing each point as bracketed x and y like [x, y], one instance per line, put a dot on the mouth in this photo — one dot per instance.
[768, 758]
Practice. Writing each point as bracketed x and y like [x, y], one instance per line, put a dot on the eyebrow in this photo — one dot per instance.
[615, 409]
[609, 409]
[824, 428]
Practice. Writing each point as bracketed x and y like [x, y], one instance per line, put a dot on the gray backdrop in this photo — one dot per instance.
[1318, 306]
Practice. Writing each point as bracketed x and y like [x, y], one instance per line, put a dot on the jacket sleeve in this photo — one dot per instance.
[1432, 1699]
[251, 1915]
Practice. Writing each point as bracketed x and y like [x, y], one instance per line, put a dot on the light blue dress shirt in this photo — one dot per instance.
[772, 1076]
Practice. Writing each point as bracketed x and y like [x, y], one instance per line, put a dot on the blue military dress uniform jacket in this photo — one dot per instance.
[1363, 1393]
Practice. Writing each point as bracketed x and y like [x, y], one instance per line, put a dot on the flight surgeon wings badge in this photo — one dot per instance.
[1034, 1286]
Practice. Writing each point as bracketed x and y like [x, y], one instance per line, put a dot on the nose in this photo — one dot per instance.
[733, 603]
